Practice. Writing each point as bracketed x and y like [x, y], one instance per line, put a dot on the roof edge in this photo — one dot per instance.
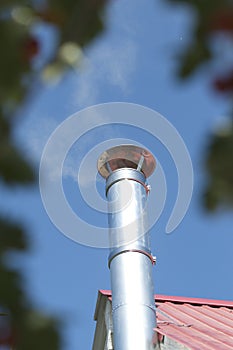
[197, 301]
[181, 299]
[101, 301]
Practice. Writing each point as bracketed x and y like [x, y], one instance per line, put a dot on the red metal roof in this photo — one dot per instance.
[199, 324]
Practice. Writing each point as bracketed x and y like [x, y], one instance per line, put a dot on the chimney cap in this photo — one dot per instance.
[126, 156]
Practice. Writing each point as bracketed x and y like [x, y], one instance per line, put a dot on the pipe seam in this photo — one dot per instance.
[151, 307]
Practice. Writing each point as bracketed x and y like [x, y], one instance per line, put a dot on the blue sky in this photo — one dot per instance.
[134, 60]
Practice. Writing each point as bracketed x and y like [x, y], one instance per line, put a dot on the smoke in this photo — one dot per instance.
[108, 66]
[107, 70]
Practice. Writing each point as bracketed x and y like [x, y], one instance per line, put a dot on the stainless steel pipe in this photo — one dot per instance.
[130, 260]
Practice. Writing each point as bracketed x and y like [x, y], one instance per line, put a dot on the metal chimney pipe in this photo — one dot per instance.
[126, 168]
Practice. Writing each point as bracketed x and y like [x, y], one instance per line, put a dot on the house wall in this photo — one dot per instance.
[169, 344]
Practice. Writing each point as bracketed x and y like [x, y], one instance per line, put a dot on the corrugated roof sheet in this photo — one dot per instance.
[199, 324]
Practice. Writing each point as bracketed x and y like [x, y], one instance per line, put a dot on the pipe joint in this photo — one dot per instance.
[141, 250]
[126, 174]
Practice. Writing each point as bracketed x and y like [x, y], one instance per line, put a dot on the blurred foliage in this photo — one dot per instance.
[211, 19]
[21, 326]
[219, 164]
[76, 22]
